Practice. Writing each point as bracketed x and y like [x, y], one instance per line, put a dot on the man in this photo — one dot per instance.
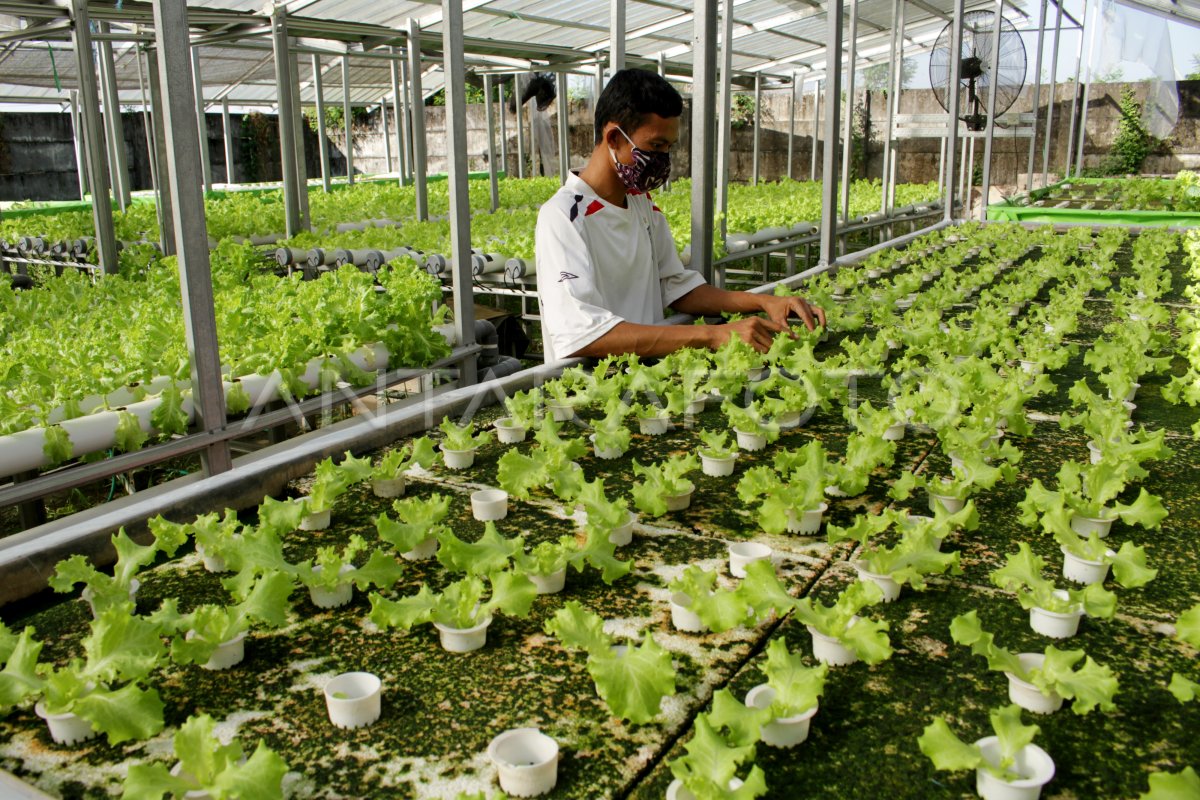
[606, 262]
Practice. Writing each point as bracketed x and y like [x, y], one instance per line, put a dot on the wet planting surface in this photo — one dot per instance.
[441, 709]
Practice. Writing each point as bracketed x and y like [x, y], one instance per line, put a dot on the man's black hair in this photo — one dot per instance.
[631, 94]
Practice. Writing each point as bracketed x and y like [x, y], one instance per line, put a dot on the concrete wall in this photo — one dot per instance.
[37, 157]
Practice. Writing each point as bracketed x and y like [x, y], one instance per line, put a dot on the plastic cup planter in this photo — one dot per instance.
[1032, 764]
[1028, 696]
[228, 654]
[783, 731]
[678, 502]
[388, 487]
[353, 699]
[527, 761]
[953, 505]
[1055, 624]
[550, 584]
[750, 441]
[894, 432]
[695, 406]
[1081, 570]
[605, 453]
[623, 533]
[489, 505]
[212, 563]
[829, 650]
[677, 791]
[463, 640]
[332, 598]
[423, 551]
[562, 412]
[65, 728]
[654, 426]
[717, 467]
[1086, 526]
[458, 459]
[682, 616]
[316, 521]
[891, 589]
[508, 432]
[743, 554]
[807, 523]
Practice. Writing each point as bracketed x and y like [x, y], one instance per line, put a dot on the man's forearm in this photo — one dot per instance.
[708, 299]
[648, 340]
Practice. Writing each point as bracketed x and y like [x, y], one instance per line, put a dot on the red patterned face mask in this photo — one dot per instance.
[648, 171]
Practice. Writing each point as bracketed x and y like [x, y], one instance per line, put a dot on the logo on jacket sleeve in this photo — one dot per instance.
[566, 276]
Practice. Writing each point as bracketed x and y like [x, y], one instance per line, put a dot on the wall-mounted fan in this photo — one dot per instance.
[976, 71]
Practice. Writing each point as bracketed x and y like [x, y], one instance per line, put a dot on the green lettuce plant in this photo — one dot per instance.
[107, 591]
[716, 444]
[462, 437]
[661, 480]
[417, 520]
[206, 765]
[1090, 686]
[333, 480]
[198, 633]
[865, 637]
[397, 461]
[104, 687]
[1022, 573]
[460, 605]
[949, 753]
[631, 682]
[1089, 490]
[381, 569]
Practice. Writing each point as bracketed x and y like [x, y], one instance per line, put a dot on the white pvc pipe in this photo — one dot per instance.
[94, 432]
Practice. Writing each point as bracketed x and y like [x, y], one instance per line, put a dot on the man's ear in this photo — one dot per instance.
[612, 136]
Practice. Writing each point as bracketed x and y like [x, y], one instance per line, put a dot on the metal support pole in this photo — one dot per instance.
[564, 131]
[725, 104]
[848, 124]
[503, 128]
[166, 207]
[757, 126]
[1050, 104]
[77, 135]
[519, 106]
[490, 123]
[967, 212]
[460, 201]
[298, 126]
[195, 277]
[387, 136]
[93, 127]
[599, 87]
[417, 106]
[792, 127]
[118, 162]
[287, 119]
[201, 120]
[889, 178]
[227, 131]
[1037, 93]
[406, 116]
[662, 64]
[616, 36]
[962, 173]
[322, 137]
[816, 131]
[991, 115]
[942, 164]
[349, 145]
[833, 105]
[535, 143]
[704, 107]
[394, 69]
[889, 120]
[1087, 90]
[1075, 90]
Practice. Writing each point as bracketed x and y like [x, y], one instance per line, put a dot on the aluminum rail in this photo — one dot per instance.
[75, 476]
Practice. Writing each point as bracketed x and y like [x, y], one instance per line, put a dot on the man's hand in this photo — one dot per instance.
[758, 332]
[780, 308]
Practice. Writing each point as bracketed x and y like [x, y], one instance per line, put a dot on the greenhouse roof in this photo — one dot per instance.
[781, 39]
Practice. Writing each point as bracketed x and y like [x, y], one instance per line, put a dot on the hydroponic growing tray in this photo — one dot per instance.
[440, 709]
[1098, 201]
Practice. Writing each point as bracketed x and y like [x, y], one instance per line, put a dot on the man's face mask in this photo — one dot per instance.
[648, 171]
